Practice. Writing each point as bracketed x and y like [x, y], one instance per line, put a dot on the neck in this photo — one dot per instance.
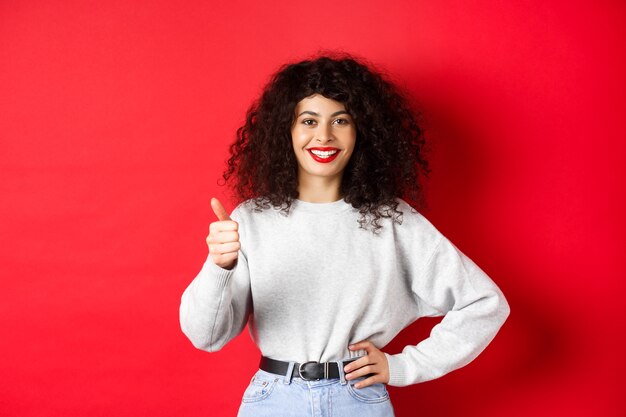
[319, 190]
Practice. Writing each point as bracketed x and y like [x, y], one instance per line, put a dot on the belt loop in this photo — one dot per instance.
[342, 375]
[287, 378]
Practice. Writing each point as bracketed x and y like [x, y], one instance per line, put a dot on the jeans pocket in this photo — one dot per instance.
[260, 387]
[375, 393]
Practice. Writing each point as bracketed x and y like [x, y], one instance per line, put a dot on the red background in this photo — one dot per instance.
[115, 120]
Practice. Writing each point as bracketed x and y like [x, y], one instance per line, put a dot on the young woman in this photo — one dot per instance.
[325, 259]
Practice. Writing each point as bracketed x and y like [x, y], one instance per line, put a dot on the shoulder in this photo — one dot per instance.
[243, 210]
[250, 210]
[415, 227]
[413, 216]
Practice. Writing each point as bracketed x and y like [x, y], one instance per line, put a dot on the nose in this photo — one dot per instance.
[324, 133]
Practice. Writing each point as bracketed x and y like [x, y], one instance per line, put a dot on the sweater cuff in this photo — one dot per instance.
[397, 371]
[215, 276]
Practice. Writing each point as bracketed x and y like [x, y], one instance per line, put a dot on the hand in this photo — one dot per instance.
[223, 239]
[375, 362]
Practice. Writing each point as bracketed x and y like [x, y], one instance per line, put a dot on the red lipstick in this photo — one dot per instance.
[322, 159]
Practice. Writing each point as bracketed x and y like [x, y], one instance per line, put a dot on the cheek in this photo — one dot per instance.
[350, 149]
[297, 138]
[351, 141]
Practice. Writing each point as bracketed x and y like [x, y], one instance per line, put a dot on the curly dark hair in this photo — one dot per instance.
[389, 153]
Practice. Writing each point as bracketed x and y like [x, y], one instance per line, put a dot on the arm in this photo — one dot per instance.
[474, 309]
[215, 307]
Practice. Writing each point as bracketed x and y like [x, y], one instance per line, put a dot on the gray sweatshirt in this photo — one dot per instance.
[310, 283]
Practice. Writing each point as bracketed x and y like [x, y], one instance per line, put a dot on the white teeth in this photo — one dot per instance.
[324, 154]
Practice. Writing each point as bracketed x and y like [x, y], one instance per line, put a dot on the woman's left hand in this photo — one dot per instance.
[375, 362]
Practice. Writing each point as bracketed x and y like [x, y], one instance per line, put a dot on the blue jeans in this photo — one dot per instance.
[272, 395]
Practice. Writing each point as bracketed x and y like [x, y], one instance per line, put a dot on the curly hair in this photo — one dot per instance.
[389, 155]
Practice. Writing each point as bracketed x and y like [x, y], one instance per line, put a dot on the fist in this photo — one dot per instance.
[223, 239]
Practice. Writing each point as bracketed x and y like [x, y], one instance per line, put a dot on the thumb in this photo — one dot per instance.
[219, 209]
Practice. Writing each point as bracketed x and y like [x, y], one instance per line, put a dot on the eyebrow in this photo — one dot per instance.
[317, 114]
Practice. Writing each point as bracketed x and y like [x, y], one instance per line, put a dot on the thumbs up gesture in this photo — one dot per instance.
[223, 239]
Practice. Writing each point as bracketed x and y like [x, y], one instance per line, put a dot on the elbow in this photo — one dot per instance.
[504, 308]
[499, 309]
[198, 333]
[201, 341]
[206, 346]
[496, 308]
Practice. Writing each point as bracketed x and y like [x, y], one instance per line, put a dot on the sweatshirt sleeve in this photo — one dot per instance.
[474, 308]
[214, 308]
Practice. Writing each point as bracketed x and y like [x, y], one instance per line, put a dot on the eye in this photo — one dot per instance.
[308, 122]
[342, 121]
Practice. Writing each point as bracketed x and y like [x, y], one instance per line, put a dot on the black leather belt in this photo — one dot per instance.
[309, 371]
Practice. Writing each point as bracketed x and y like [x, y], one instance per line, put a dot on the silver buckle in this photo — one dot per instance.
[307, 379]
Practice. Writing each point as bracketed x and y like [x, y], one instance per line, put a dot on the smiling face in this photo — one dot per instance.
[323, 137]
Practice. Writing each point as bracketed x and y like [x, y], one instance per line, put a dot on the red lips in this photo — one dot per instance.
[323, 160]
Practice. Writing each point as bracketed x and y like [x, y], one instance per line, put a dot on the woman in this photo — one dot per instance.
[323, 257]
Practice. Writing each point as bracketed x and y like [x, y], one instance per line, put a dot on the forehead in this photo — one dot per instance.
[319, 104]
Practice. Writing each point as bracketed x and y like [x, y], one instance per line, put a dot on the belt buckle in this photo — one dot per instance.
[300, 371]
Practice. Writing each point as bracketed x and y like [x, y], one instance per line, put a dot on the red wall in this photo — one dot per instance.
[115, 120]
